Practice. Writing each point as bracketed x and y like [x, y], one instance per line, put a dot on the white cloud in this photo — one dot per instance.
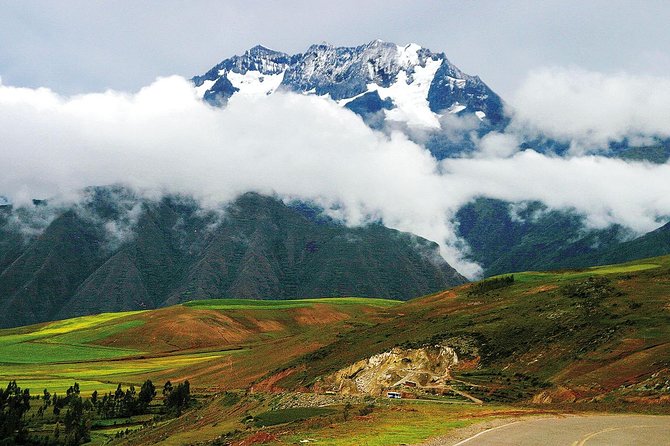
[606, 190]
[497, 145]
[164, 139]
[590, 109]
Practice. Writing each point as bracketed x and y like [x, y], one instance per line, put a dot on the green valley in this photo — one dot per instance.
[588, 339]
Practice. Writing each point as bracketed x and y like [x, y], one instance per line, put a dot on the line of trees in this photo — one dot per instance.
[79, 412]
[124, 404]
[490, 284]
[14, 403]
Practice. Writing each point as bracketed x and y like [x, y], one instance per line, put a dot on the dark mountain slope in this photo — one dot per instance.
[654, 243]
[506, 237]
[264, 248]
[36, 285]
[260, 249]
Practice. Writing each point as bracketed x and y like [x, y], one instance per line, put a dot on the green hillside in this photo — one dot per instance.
[568, 335]
[509, 237]
[175, 251]
[199, 340]
[582, 339]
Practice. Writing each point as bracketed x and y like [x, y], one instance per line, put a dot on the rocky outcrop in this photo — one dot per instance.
[423, 367]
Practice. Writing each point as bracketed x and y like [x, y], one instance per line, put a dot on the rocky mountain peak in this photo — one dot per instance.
[406, 83]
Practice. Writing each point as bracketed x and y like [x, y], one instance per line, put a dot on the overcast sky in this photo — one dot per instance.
[587, 73]
[86, 45]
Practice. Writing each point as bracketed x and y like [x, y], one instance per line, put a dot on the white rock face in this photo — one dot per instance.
[425, 367]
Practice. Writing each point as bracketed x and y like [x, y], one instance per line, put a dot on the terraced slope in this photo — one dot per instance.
[571, 335]
[213, 343]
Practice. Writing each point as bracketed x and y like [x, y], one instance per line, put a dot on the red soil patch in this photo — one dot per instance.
[270, 384]
[257, 438]
[599, 359]
[467, 364]
[266, 325]
[179, 328]
[318, 314]
[541, 289]
[444, 295]
[625, 370]
[558, 395]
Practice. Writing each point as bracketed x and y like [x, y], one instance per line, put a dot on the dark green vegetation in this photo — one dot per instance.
[14, 403]
[486, 286]
[273, 417]
[506, 237]
[658, 153]
[70, 419]
[118, 253]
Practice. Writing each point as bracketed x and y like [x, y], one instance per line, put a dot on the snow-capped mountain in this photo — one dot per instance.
[409, 84]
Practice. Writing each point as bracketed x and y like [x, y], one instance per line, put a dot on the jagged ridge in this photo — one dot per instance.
[421, 84]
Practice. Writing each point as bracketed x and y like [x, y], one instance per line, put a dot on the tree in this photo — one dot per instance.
[167, 389]
[76, 424]
[14, 403]
[147, 393]
[177, 399]
[55, 402]
[129, 402]
[73, 390]
[94, 397]
[46, 397]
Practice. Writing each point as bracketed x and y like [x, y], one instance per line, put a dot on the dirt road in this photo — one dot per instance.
[572, 430]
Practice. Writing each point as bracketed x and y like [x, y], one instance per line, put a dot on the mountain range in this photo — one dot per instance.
[176, 251]
[507, 237]
[393, 87]
[388, 85]
[115, 251]
[411, 84]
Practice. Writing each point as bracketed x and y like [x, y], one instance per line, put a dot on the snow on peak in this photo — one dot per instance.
[255, 83]
[408, 55]
[411, 96]
[456, 108]
[414, 83]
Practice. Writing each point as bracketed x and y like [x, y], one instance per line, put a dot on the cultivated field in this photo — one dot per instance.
[213, 343]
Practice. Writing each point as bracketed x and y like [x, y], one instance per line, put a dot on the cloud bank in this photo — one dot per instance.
[164, 139]
[590, 109]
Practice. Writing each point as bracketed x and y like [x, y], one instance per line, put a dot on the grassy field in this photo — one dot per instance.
[247, 304]
[393, 423]
[586, 272]
[201, 340]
